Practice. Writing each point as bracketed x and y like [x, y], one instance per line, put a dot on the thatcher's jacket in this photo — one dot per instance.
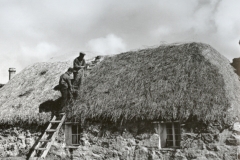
[77, 64]
[65, 81]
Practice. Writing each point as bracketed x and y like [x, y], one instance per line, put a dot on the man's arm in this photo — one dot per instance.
[84, 63]
[60, 80]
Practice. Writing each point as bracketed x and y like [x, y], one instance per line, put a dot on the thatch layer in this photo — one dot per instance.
[173, 81]
[22, 96]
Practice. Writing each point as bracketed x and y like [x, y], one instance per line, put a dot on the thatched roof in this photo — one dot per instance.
[22, 96]
[173, 81]
[169, 81]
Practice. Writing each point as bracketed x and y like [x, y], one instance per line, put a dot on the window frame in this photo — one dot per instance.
[173, 134]
[68, 126]
[77, 134]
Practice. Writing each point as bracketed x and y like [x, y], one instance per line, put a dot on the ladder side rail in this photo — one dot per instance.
[61, 123]
[49, 144]
[37, 146]
[43, 136]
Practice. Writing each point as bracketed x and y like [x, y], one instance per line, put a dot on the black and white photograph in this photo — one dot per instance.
[119, 80]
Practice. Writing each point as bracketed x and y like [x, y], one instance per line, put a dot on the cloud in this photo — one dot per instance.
[41, 51]
[26, 55]
[34, 31]
[111, 44]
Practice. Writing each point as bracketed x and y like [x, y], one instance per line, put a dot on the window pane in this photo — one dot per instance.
[168, 125]
[176, 125]
[74, 129]
[74, 139]
[169, 143]
[78, 139]
[79, 129]
[177, 130]
[169, 131]
[177, 143]
[169, 137]
[177, 137]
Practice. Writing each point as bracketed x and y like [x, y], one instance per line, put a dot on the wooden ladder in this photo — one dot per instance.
[44, 144]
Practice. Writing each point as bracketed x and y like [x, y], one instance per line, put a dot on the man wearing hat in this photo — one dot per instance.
[78, 64]
[66, 88]
[97, 59]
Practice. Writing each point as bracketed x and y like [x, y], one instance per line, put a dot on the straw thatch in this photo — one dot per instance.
[22, 96]
[175, 81]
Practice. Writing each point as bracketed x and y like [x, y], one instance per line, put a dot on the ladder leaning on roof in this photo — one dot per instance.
[47, 139]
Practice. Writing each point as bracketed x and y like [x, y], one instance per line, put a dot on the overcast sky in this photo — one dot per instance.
[51, 30]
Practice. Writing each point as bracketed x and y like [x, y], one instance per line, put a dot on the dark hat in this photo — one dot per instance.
[70, 69]
[82, 54]
[98, 57]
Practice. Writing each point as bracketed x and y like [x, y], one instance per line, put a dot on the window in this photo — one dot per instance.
[173, 135]
[76, 131]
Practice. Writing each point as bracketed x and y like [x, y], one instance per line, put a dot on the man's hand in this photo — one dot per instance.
[77, 68]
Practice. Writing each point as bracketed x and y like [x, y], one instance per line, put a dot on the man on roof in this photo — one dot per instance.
[97, 59]
[79, 63]
[66, 88]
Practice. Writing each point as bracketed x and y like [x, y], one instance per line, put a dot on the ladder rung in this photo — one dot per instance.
[44, 140]
[41, 149]
[50, 141]
[55, 121]
[72, 147]
[51, 130]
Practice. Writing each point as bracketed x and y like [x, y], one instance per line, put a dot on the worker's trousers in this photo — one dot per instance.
[78, 77]
[66, 97]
